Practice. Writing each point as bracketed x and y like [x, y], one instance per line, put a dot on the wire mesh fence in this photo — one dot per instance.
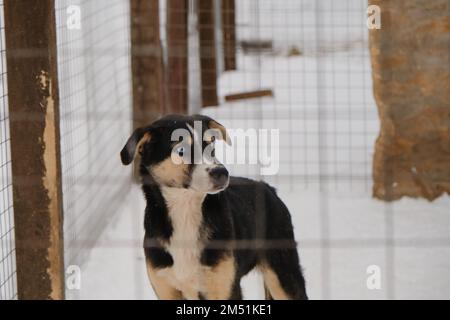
[95, 102]
[313, 55]
[8, 286]
[317, 63]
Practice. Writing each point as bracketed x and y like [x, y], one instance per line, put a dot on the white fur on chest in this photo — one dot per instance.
[185, 246]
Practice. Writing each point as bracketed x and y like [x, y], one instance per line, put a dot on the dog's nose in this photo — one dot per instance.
[219, 174]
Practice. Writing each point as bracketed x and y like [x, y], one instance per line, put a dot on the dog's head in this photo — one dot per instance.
[178, 151]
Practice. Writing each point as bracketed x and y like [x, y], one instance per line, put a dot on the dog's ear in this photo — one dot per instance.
[134, 145]
[213, 124]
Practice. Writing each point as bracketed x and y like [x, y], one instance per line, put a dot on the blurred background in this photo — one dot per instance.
[358, 90]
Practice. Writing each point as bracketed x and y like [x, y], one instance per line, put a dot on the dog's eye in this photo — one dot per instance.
[213, 139]
[180, 151]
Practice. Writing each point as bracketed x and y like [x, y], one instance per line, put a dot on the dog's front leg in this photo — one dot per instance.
[163, 289]
[219, 279]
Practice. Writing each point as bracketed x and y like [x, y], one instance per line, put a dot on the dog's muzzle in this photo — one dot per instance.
[219, 177]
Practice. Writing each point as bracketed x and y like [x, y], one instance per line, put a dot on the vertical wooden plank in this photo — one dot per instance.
[34, 114]
[208, 57]
[229, 33]
[147, 62]
[177, 56]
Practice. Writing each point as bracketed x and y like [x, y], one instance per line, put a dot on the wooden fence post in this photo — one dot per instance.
[177, 56]
[229, 33]
[147, 62]
[30, 30]
[208, 57]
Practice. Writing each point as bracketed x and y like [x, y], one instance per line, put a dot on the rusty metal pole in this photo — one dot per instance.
[30, 30]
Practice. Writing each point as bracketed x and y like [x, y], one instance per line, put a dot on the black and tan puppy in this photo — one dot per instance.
[204, 230]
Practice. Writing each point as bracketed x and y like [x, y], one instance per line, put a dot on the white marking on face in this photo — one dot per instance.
[201, 180]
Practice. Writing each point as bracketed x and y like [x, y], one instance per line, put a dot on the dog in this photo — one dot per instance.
[205, 230]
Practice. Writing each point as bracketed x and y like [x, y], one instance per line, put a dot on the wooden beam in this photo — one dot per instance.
[256, 46]
[34, 120]
[229, 33]
[208, 56]
[249, 95]
[147, 62]
[177, 60]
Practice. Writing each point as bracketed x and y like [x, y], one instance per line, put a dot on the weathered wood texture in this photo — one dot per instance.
[177, 60]
[411, 73]
[249, 95]
[34, 116]
[208, 56]
[229, 33]
[147, 62]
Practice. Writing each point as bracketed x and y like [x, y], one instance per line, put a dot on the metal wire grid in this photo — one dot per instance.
[95, 98]
[329, 64]
[8, 285]
[319, 69]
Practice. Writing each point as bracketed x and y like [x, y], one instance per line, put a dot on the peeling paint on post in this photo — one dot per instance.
[34, 122]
